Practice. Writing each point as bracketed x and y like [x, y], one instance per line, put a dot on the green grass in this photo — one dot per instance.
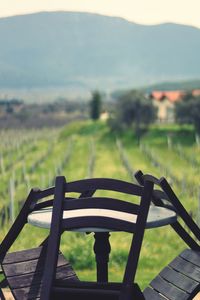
[161, 244]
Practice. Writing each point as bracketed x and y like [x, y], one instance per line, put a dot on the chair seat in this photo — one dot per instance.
[179, 280]
[24, 269]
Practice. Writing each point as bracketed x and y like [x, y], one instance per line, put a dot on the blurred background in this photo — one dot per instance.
[100, 89]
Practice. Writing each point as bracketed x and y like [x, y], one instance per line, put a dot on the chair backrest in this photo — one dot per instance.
[30, 204]
[86, 188]
[166, 197]
[35, 200]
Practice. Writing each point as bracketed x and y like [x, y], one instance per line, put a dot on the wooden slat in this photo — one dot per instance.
[103, 203]
[186, 268]
[27, 293]
[98, 222]
[168, 290]
[181, 281]
[81, 290]
[33, 291]
[90, 284]
[150, 294]
[24, 255]
[81, 186]
[62, 273]
[28, 266]
[191, 256]
[94, 294]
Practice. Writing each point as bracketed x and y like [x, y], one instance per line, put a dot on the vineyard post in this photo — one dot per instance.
[50, 178]
[197, 138]
[24, 169]
[124, 159]
[169, 141]
[2, 164]
[91, 161]
[12, 195]
[43, 180]
[183, 185]
[198, 210]
[27, 180]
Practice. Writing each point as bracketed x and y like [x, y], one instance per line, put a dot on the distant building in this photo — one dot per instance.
[104, 116]
[196, 93]
[165, 101]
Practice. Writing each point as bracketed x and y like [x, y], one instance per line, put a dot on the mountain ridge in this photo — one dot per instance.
[94, 51]
[96, 14]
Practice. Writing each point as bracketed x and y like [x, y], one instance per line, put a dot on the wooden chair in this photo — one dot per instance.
[97, 214]
[23, 270]
[180, 280]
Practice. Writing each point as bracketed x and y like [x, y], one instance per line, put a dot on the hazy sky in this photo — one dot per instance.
[140, 11]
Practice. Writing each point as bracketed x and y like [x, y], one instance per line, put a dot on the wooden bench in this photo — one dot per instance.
[180, 280]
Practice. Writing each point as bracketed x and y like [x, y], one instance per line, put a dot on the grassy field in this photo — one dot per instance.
[88, 149]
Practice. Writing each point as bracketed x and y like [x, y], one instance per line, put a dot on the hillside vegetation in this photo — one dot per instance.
[89, 149]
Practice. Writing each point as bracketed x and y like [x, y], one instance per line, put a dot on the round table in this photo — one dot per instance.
[157, 217]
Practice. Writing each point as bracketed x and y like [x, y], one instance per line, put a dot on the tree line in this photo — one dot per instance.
[187, 111]
[133, 110]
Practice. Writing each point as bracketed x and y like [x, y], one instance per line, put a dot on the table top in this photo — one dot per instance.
[157, 217]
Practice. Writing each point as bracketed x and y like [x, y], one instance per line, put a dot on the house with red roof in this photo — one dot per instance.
[196, 93]
[165, 101]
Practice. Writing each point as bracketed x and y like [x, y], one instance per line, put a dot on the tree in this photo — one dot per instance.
[135, 111]
[95, 105]
[187, 111]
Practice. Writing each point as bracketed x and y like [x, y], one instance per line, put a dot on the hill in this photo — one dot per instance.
[186, 85]
[176, 85]
[82, 50]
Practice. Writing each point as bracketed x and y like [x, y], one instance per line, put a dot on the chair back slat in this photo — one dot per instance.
[93, 184]
[87, 187]
[92, 206]
[103, 203]
[44, 204]
[100, 223]
[45, 193]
